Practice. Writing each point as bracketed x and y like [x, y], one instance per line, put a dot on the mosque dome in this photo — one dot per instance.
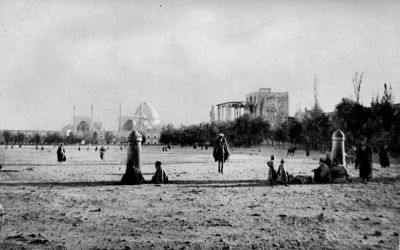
[148, 112]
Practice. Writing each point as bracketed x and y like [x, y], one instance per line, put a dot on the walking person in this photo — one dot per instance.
[364, 160]
[102, 150]
[61, 153]
[221, 152]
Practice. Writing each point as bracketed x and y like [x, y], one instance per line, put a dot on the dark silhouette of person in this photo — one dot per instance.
[364, 160]
[160, 176]
[384, 157]
[102, 151]
[221, 152]
[61, 153]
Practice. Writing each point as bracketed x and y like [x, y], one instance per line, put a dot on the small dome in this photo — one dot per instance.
[148, 112]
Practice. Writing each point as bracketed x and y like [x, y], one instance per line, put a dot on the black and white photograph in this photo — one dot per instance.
[199, 124]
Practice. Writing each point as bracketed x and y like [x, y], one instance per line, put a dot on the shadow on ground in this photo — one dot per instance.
[189, 183]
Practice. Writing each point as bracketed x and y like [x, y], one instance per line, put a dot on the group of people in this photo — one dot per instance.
[61, 157]
[328, 171]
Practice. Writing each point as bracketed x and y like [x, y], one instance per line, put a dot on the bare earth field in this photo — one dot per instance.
[79, 204]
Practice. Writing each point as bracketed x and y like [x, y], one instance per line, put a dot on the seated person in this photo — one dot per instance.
[160, 176]
[322, 174]
[300, 179]
[282, 174]
[339, 172]
[327, 160]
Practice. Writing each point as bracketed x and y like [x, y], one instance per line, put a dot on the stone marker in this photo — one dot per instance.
[133, 174]
[338, 149]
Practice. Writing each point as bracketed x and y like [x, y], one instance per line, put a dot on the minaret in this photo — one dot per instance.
[91, 118]
[74, 121]
[119, 121]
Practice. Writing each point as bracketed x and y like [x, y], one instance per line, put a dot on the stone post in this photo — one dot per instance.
[133, 174]
[338, 149]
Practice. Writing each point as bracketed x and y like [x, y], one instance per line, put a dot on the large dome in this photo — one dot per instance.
[148, 112]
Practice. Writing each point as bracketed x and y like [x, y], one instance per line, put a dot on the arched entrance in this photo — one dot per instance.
[128, 126]
[83, 127]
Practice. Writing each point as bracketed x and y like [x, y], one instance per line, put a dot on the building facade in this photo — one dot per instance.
[146, 119]
[270, 106]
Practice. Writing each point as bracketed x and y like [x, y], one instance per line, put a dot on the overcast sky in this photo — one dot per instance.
[184, 56]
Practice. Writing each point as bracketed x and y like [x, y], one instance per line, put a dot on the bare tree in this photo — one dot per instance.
[316, 93]
[357, 80]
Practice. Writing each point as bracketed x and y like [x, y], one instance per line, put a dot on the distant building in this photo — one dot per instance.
[146, 120]
[271, 106]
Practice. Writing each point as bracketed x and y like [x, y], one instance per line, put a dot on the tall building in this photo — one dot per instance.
[271, 106]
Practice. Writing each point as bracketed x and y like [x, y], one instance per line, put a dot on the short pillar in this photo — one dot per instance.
[133, 174]
[338, 149]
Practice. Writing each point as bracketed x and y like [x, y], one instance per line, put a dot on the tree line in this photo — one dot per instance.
[313, 128]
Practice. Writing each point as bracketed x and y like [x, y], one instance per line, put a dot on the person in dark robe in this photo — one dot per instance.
[339, 172]
[102, 150]
[307, 150]
[300, 179]
[160, 176]
[384, 157]
[61, 153]
[95, 149]
[283, 176]
[364, 160]
[328, 160]
[221, 152]
[272, 175]
[322, 174]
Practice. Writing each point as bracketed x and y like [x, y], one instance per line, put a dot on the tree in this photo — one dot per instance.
[7, 136]
[108, 137]
[353, 119]
[357, 80]
[20, 137]
[36, 138]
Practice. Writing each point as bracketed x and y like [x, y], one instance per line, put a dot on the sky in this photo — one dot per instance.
[184, 56]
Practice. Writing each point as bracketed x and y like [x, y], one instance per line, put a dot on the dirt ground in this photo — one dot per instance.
[79, 204]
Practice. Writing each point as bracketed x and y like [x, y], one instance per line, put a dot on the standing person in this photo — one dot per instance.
[272, 175]
[61, 153]
[384, 157]
[364, 160]
[307, 150]
[221, 152]
[102, 150]
[282, 174]
[1, 216]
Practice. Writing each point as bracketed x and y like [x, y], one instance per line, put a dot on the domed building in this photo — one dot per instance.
[146, 120]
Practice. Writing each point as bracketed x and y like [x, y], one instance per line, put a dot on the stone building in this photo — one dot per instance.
[271, 106]
[84, 126]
